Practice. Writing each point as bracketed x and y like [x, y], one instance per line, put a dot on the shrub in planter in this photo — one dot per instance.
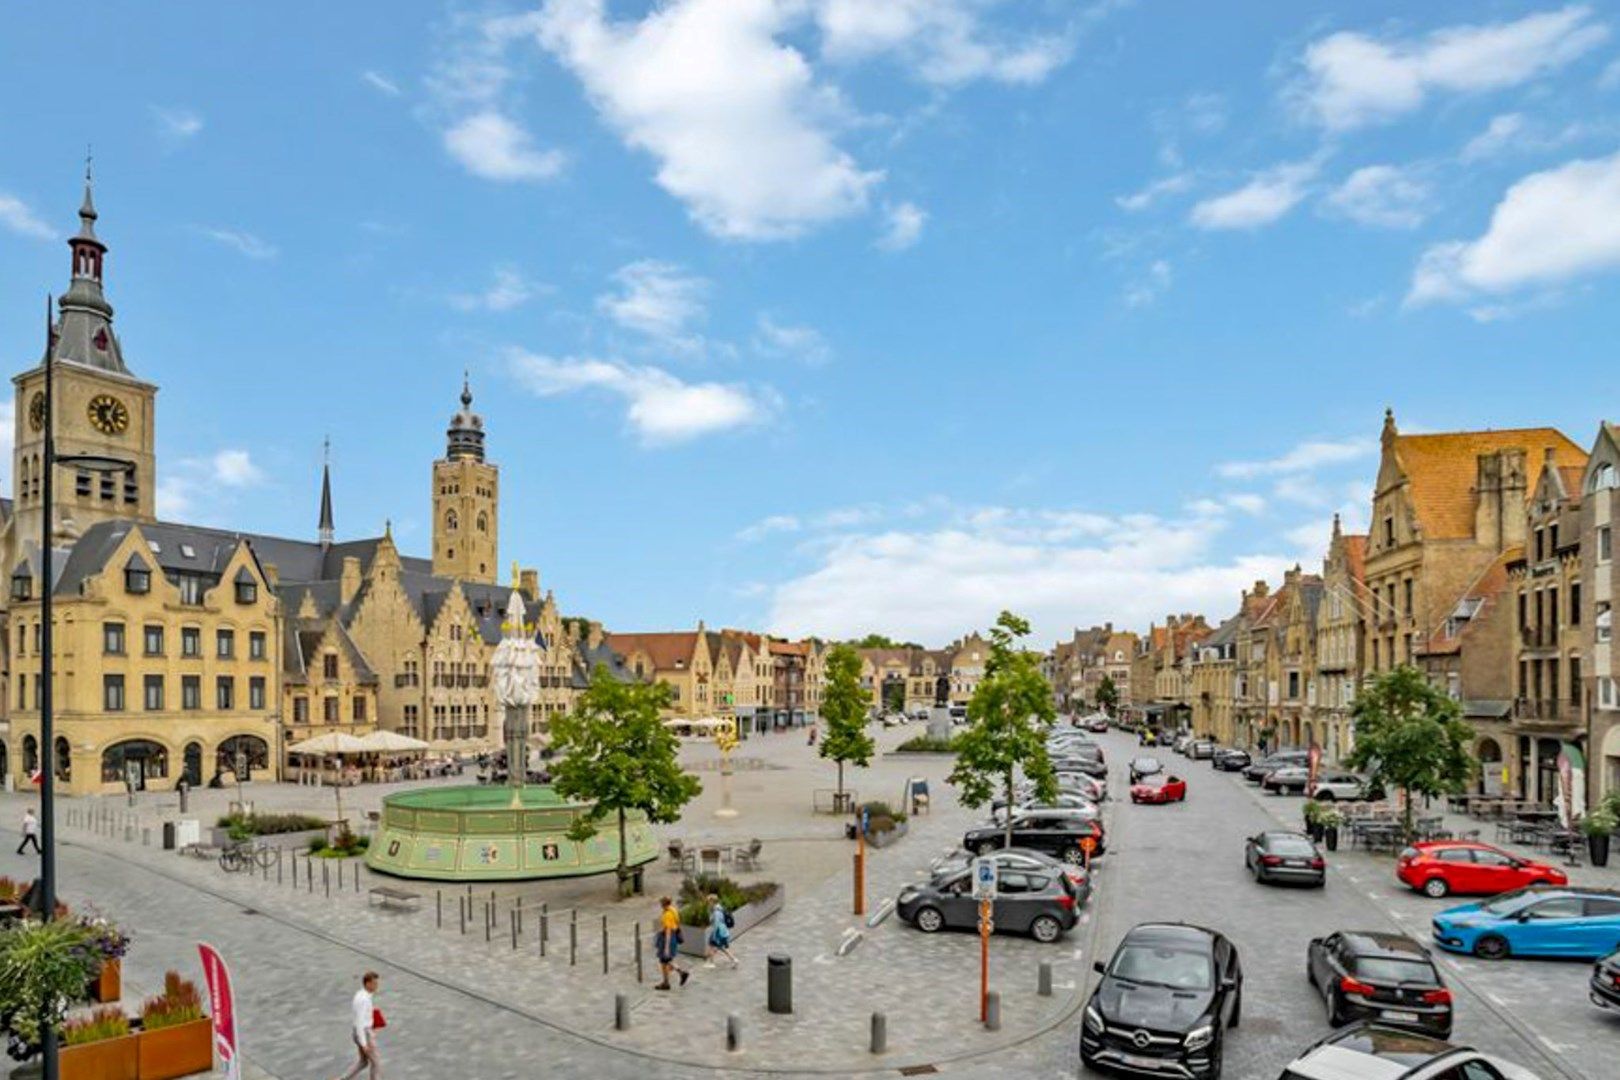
[99, 1047]
[1598, 826]
[176, 1038]
[107, 1022]
[927, 744]
[246, 826]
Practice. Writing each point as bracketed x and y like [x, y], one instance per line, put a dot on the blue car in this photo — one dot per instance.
[1541, 920]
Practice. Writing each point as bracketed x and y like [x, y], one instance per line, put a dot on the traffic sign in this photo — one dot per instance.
[985, 877]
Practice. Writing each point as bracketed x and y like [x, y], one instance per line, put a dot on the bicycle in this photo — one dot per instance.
[244, 856]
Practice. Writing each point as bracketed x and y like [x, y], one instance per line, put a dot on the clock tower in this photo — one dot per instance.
[466, 499]
[99, 408]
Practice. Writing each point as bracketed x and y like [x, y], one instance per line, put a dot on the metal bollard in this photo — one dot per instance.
[438, 908]
[544, 931]
[779, 983]
[639, 974]
[309, 873]
[278, 866]
[621, 1012]
[733, 1032]
[489, 921]
[1043, 985]
[511, 917]
[517, 909]
[356, 874]
[461, 909]
[573, 937]
[340, 875]
[992, 1011]
[146, 836]
[604, 945]
[326, 877]
[880, 1033]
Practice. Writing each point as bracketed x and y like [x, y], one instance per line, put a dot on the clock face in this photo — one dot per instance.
[108, 415]
[36, 411]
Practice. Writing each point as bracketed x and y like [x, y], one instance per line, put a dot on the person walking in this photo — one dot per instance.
[667, 943]
[30, 832]
[364, 1021]
[720, 924]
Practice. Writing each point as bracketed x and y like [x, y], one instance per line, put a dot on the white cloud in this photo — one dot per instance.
[1263, 200]
[1174, 184]
[235, 468]
[1383, 195]
[1206, 113]
[173, 498]
[244, 242]
[17, 216]
[1550, 226]
[943, 42]
[509, 290]
[803, 343]
[1501, 133]
[903, 226]
[1352, 79]
[1610, 77]
[1246, 501]
[178, 123]
[1303, 458]
[1054, 568]
[658, 299]
[196, 480]
[490, 145]
[661, 408]
[768, 526]
[739, 127]
[1151, 286]
[381, 83]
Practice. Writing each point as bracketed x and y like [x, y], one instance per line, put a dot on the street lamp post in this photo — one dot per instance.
[47, 790]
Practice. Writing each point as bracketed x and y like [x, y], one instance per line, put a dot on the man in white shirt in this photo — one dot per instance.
[30, 832]
[362, 1026]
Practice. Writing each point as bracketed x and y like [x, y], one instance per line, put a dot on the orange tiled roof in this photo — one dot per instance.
[1355, 557]
[1441, 471]
[665, 649]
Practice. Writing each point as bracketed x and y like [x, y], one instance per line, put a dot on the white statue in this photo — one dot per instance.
[516, 663]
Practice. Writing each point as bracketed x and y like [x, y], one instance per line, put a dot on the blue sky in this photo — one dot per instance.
[824, 315]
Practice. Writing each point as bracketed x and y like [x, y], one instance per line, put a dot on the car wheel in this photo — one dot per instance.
[987, 847]
[1325, 796]
[1491, 947]
[1045, 929]
[929, 920]
[1435, 888]
[1074, 857]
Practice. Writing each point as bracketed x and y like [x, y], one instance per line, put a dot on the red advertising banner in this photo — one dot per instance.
[1314, 757]
[223, 1003]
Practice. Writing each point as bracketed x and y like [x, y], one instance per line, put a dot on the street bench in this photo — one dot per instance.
[391, 897]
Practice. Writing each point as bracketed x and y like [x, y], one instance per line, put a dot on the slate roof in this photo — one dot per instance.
[304, 637]
[1441, 471]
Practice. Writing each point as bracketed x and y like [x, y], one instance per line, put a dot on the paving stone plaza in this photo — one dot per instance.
[487, 1003]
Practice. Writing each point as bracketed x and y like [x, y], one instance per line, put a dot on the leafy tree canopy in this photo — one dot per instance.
[1410, 735]
[881, 641]
[843, 712]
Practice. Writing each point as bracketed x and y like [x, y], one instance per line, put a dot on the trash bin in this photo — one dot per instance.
[779, 983]
[168, 836]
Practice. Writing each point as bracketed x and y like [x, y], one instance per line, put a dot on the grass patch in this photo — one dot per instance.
[927, 744]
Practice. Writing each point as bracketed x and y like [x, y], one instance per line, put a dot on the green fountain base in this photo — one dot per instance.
[476, 834]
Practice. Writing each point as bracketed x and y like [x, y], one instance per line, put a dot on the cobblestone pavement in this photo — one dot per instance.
[459, 1006]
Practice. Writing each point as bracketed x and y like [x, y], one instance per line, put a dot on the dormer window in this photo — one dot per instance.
[247, 587]
[22, 586]
[137, 576]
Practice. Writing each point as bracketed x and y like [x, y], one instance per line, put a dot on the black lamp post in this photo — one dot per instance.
[47, 792]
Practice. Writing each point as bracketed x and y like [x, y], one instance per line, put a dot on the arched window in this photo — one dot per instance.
[192, 770]
[255, 751]
[64, 759]
[1603, 478]
[450, 521]
[483, 523]
[135, 760]
[30, 755]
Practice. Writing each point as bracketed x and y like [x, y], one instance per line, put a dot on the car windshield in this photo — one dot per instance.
[1156, 780]
[1179, 969]
[1508, 902]
[1391, 969]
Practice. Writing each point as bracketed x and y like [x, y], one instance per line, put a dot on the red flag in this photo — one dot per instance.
[218, 977]
[37, 778]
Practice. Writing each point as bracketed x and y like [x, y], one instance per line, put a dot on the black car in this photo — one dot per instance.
[1285, 856]
[1371, 975]
[1039, 903]
[1257, 771]
[1164, 1003]
[1231, 760]
[1145, 766]
[1606, 981]
[1051, 832]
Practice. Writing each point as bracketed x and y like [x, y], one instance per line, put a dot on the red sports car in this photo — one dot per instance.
[1439, 867]
[1159, 788]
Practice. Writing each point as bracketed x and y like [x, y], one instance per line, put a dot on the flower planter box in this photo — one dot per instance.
[108, 985]
[109, 1059]
[180, 1050]
[888, 836]
[297, 841]
[695, 939]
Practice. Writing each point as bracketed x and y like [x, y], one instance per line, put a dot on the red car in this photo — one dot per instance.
[1159, 789]
[1439, 867]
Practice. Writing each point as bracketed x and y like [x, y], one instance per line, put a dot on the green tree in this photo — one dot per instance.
[614, 752]
[843, 711]
[1107, 695]
[1410, 736]
[882, 641]
[1008, 718]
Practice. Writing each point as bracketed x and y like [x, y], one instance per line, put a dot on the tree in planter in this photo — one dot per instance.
[614, 752]
[1410, 736]
[1008, 717]
[1107, 695]
[843, 713]
[44, 967]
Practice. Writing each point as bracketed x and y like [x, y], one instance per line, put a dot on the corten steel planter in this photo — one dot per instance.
[695, 939]
[108, 984]
[109, 1059]
[179, 1050]
[887, 836]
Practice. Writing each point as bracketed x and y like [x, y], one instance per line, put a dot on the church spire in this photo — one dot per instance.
[326, 495]
[85, 332]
